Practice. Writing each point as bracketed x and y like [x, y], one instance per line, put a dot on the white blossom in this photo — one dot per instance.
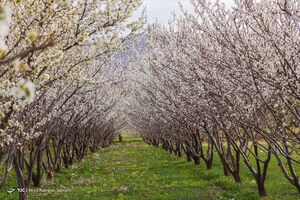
[24, 90]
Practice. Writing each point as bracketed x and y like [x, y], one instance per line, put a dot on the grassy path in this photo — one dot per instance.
[135, 170]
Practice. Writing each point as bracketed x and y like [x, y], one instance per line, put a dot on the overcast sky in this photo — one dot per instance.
[161, 10]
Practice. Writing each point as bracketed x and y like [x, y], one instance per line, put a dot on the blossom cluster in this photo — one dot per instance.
[58, 79]
[227, 77]
[5, 20]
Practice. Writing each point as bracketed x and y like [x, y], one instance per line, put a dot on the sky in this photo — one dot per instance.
[161, 10]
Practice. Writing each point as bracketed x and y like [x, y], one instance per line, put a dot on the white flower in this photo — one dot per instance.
[17, 65]
[24, 90]
[5, 20]
[5, 13]
[37, 134]
[25, 67]
[33, 35]
[1, 114]
[9, 139]
[3, 46]
[45, 77]
[4, 29]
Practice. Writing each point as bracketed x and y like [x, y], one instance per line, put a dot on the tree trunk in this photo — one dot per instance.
[20, 179]
[188, 156]
[178, 150]
[237, 177]
[209, 164]
[261, 188]
[8, 163]
[225, 168]
[36, 178]
[196, 160]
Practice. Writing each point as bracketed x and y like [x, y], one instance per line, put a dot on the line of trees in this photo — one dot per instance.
[58, 82]
[226, 82]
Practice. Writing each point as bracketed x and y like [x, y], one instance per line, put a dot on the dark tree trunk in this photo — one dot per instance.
[196, 160]
[261, 188]
[188, 156]
[178, 150]
[236, 168]
[8, 163]
[298, 186]
[209, 164]
[210, 155]
[237, 177]
[36, 178]
[20, 180]
[225, 168]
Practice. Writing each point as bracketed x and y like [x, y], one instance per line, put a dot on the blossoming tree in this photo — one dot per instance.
[57, 86]
[228, 78]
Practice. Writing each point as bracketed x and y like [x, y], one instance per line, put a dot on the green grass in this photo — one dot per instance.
[135, 170]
